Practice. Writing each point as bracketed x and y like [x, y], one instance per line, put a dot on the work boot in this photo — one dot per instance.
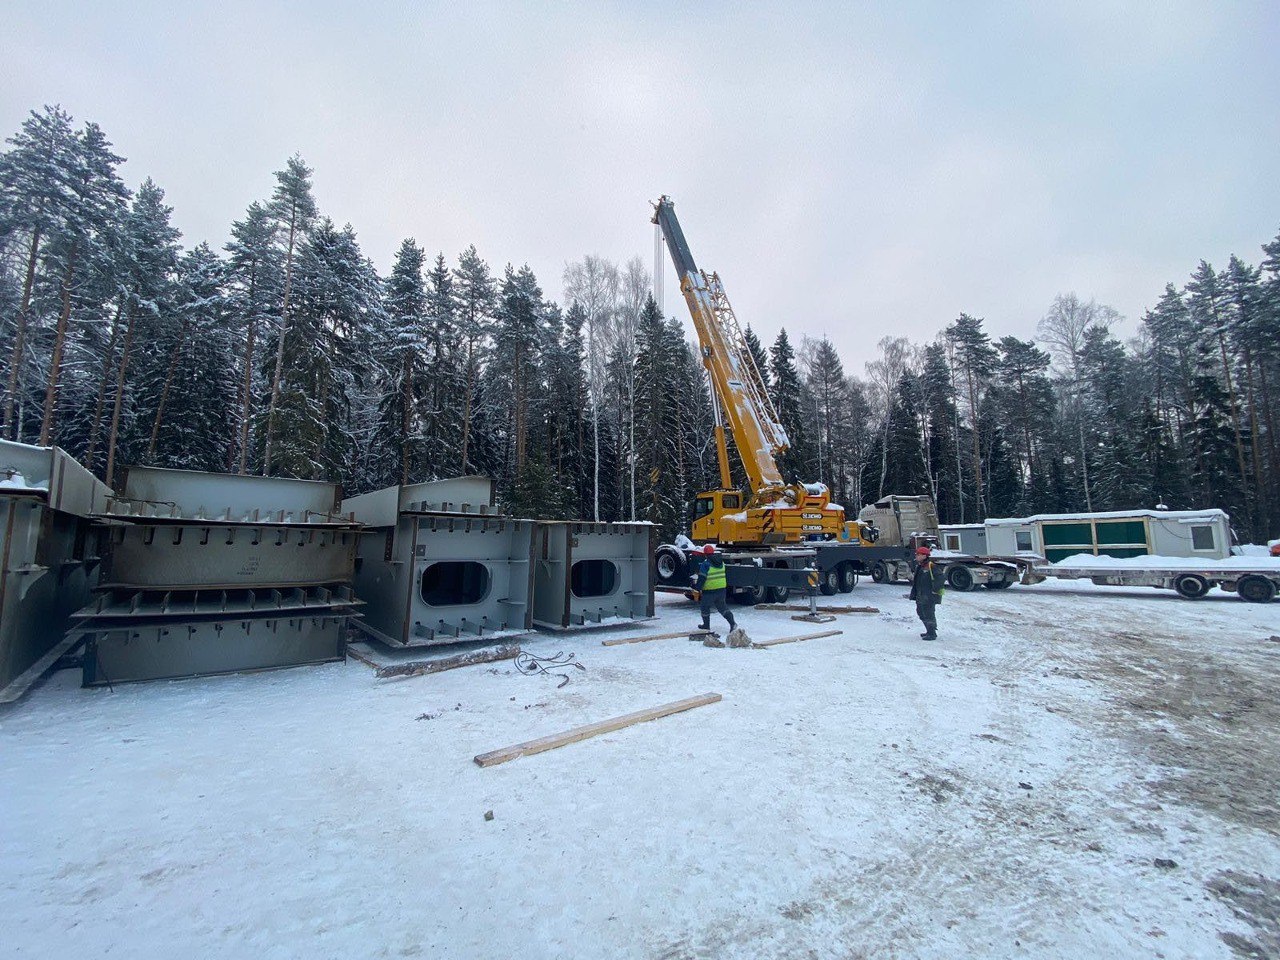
[705, 626]
[928, 636]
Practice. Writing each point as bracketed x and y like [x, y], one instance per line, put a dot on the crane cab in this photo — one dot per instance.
[716, 515]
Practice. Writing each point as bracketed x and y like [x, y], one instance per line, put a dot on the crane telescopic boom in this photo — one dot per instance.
[738, 386]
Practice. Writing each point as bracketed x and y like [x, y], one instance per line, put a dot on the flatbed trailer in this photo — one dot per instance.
[1257, 584]
[770, 575]
[962, 571]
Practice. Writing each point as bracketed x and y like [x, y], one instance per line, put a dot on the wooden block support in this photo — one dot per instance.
[803, 636]
[593, 730]
[417, 668]
[652, 636]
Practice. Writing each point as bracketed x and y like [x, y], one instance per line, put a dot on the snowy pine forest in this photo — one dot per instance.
[282, 351]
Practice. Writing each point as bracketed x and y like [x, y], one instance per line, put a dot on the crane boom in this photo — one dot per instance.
[736, 380]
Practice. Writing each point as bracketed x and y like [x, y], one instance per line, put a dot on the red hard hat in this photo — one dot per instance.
[709, 548]
[922, 551]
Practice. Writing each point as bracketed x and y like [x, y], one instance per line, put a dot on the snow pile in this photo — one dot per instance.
[1183, 516]
[1087, 561]
[15, 482]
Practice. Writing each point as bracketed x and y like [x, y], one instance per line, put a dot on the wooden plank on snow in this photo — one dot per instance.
[803, 636]
[653, 636]
[417, 668]
[593, 730]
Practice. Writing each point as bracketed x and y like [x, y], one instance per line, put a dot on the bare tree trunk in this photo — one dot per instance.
[170, 372]
[1259, 484]
[466, 407]
[101, 402]
[119, 401]
[406, 389]
[284, 330]
[10, 425]
[246, 410]
[59, 344]
[977, 439]
[1235, 424]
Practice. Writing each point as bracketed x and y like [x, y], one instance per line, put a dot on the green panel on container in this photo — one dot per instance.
[1077, 533]
[1053, 556]
[1122, 532]
[1122, 551]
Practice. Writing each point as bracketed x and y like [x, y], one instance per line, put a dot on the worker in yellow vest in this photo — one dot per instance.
[713, 583]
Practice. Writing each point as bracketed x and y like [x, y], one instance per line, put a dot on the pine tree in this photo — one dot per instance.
[254, 268]
[36, 197]
[293, 207]
[942, 445]
[328, 359]
[474, 289]
[148, 265]
[397, 455]
[787, 393]
[974, 361]
[195, 402]
[81, 240]
[1208, 306]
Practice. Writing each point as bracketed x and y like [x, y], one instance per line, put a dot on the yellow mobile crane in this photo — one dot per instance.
[772, 511]
[777, 536]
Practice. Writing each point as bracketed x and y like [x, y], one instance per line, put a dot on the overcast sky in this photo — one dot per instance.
[849, 169]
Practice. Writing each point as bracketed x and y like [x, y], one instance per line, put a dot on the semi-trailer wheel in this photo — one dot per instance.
[829, 582]
[1191, 586]
[998, 584]
[670, 566]
[879, 573]
[1256, 589]
[848, 577]
[779, 594]
[754, 595]
[961, 578]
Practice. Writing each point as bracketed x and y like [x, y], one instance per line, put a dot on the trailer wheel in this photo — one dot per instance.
[848, 577]
[879, 573]
[830, 582]
[1191, 586]
[753, 595]
[1256, 589]
[960, 577]
[998, 584]
[779, 594]
[670, 565]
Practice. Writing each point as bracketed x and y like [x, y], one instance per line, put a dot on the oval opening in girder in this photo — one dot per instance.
[594, 578]
[453, 583]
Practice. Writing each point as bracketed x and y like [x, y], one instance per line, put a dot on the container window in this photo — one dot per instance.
[1202, 537]
[453, 583]
[1023, 538]
[594, 578]
[953, 541]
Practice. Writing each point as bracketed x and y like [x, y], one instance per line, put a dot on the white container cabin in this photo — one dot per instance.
[1202, 534]
[969, 539]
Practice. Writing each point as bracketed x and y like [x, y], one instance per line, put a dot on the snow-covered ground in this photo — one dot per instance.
[1008, 791]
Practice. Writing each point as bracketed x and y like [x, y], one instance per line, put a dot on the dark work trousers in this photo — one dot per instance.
[716, 599]
[925, 607]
